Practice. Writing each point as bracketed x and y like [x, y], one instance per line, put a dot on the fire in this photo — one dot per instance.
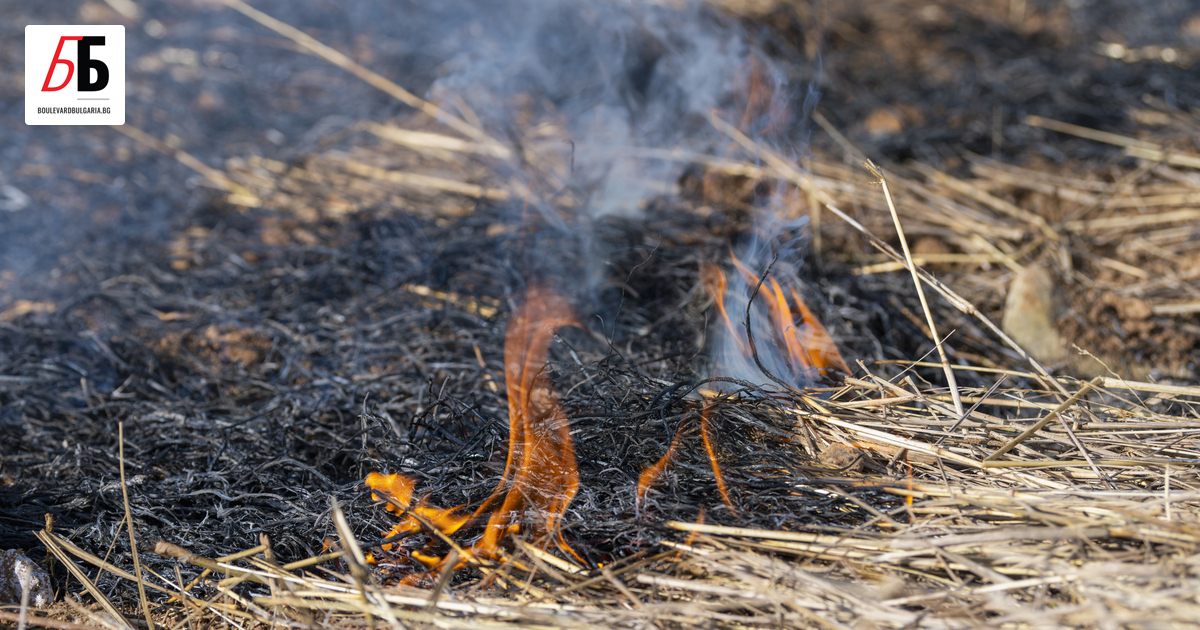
[651, 473]
[540, 474]
[397, 490]
[799, 344]
[806, 344]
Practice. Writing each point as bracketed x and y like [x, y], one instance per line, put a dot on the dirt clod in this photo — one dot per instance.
[843, 457]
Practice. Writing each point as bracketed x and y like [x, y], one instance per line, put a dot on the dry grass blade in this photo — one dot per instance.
[240, 195]
[137, 567]
[1157, 388]
[388, 87]
[1133, 146]
[1090, 134]
[430, 182]
[1186, 308]
[443, 580]
[1134, 221]
[23, 614]
[356, 560]
[988, 199]
[42, 622]
[166, 549]
[1043, 422]
[922, 260]
[952, 297]
[422, 140]
[912, 268]
[52, 544]
[1158, 155]
[71, 548]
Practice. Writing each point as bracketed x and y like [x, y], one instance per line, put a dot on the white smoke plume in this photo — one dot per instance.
[613, 85]
[614, 76]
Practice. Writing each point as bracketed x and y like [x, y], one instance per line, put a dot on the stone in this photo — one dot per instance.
[1030, 310]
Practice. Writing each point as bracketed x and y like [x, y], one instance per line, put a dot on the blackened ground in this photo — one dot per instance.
[253, 392]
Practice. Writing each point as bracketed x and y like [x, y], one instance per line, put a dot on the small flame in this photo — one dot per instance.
[397, 490]
[798, 344]
[540, 474]
[712, 457]
[651, 473]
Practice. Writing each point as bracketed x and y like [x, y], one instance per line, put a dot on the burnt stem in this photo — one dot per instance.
[750, 330]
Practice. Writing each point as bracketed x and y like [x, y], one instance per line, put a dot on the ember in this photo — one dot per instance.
[540, 474]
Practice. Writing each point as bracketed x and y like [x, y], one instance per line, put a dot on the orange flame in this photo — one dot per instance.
[712, 457]
[806, 342]
[798, 334]
[651, 473]
[397, 490]
[540, 473]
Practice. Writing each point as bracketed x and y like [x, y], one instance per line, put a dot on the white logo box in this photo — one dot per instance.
[74, 75]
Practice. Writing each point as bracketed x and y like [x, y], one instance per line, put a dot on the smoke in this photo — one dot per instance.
[595, 92]
[599, 81]
[772, 253]
[592, 94]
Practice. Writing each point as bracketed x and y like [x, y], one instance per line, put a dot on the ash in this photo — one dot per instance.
[19, 574]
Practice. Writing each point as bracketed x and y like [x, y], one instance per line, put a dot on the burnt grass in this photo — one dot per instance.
[253, 393]
[258, 381]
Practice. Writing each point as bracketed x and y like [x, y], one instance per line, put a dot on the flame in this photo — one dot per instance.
[712, 457]
[651, 473]
[804, 342]
[798, 348]
[397, 490]
[800, 340]
[540, 474]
